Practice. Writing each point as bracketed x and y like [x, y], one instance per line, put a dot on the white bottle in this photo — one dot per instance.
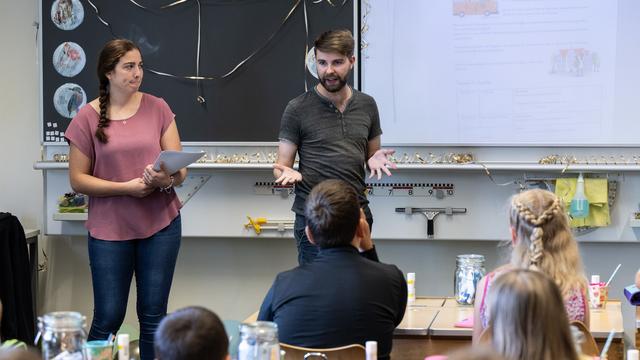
[579, 206]
[594, 292]
[411, 288]
[123, 347]
[633, 354]
[371, 349]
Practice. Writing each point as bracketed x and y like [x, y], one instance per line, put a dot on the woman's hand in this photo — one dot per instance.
[157, 179]
[138, 188]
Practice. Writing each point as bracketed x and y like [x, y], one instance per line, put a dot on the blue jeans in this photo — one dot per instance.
[307, 252]
[113, 264]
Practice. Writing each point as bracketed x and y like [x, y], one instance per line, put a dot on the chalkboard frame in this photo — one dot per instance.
[88, 80]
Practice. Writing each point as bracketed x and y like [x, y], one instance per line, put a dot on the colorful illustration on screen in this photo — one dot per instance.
[474, 7]
[577, 62]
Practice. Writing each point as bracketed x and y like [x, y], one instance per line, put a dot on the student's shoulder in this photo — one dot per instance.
[390, 270]
[292, 275]
[501, 270]
[291, 280]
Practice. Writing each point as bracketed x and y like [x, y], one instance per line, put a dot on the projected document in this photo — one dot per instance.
[492, 71]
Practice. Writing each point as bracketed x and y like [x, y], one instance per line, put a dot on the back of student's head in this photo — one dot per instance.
[475, 353]
[543, 239]
[527, 319]
[18, 354]
[191, 333]
[332, 211]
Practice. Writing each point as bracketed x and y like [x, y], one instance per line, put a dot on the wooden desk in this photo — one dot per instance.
[451, 302]
[410, 340]
[418, 317]
[429, 301]
[443, 325]
[251, 318]
[442, 336]
[602, 322]
[416, 320]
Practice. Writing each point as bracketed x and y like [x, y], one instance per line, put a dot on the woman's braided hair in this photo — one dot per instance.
[107, 61]
[544, 240]
[536, 248]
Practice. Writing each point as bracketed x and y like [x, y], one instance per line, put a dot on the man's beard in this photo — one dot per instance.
[335, 87]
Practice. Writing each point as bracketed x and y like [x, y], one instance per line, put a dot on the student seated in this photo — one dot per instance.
[469, 353]
[527, 318]
[18, 354]
[475, 353]
[541, 240]
[191, 333]
[342, 297]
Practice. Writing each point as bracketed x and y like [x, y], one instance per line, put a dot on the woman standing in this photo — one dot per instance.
[134, 220]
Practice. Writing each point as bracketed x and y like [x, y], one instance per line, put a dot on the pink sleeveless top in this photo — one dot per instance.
[576, 304]
[132, 145]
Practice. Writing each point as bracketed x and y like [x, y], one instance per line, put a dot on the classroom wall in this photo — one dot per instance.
[20, 185]
[229, 276]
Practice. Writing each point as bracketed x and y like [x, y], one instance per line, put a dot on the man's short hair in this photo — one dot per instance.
[191, 333]
[336, 41]
[332, 211]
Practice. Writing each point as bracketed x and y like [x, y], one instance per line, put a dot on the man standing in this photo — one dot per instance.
[342, 297]
[334, 129]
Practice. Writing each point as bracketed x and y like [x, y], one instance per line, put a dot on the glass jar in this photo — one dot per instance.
[259, 341]
[469, 271]
[62, 335]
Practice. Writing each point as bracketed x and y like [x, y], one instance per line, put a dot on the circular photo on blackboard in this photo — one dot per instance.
[67, 14]
[310, 61]
[68, 99]
[69, 59]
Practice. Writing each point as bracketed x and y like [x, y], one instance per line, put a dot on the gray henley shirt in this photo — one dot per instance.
[331, 144]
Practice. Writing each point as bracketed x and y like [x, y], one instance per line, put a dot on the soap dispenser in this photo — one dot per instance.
[579, 207]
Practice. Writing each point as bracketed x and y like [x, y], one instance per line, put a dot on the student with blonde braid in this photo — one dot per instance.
[541, 240]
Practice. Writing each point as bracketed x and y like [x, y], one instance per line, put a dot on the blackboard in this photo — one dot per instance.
[243, 107]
